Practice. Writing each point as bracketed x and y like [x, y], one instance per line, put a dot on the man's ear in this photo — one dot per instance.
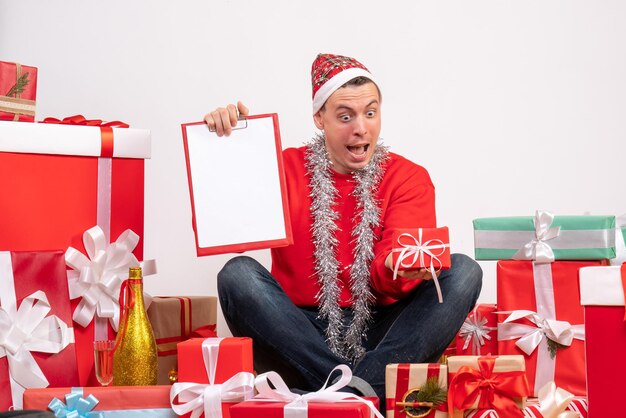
[317, 118]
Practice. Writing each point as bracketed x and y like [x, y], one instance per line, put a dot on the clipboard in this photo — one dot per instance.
[237, 186]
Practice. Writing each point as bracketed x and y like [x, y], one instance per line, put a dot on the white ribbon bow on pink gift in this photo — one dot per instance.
[476, 331]
[538, 249]
[529, 336]
[415, 251]
[98, 277]
[297, 404]
[27, 329]
[199, 398]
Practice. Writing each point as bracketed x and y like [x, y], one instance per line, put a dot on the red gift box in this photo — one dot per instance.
[255, 409]
[544, 298]
[449, 351]
[18, 92]
[603, 292]
[235, 355]
[59, 189]
[552, 401]
[33, 286]
[149, 400]
[403, 379]
[478, 334]
[577, 405]
[421, 248]
[213, 361]
[482, 382]
[275, 400]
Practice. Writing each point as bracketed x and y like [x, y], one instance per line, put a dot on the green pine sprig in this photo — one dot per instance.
[19, 86]
[553, 347]
[432, 392]
[427, 397]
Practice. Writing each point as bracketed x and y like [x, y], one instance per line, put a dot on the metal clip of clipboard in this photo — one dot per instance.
[242, 123]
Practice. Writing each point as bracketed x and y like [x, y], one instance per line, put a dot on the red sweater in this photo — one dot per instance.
[407, 200]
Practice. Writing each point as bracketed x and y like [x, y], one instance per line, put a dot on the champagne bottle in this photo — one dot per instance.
[135, 357]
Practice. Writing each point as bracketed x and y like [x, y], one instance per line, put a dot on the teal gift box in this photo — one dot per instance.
[545, 237]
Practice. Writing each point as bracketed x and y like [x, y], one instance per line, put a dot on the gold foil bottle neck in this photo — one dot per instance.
[134, 273]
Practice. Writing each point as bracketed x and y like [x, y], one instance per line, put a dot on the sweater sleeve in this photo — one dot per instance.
[408, 201]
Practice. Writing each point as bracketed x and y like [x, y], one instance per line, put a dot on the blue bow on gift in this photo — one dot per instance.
[75, 406]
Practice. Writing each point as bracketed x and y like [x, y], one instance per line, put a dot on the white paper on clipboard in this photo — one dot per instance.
[237, 187]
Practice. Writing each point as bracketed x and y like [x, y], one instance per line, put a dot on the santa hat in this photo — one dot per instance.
[329, 72]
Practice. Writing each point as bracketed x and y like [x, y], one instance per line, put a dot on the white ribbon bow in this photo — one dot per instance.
[98, 277]
[297, 404]
[200, 398]
[25, 330]
[538, 249]
[528, 336]
[475, 329]
[208, 398]
[553, 402]
[416, 250]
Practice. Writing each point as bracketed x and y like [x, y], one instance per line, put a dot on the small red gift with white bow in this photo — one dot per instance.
[419, 248]
[213, 375]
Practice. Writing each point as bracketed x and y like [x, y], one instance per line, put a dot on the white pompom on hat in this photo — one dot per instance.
[329, 72]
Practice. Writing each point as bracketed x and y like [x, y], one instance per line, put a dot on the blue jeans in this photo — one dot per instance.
[291, 341]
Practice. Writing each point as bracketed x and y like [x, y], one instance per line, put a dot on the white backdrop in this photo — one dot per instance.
[511, 106]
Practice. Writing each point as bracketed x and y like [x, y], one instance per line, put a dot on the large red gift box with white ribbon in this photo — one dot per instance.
[36, 337]
[63, 180]
[546, 325]
[603, 292]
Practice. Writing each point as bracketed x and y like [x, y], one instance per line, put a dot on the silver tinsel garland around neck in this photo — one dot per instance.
[344, 341]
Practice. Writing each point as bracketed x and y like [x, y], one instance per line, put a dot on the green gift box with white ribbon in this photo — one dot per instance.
[545, 237]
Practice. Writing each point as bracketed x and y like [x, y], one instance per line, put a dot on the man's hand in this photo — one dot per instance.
[421, 273]
[223, 119]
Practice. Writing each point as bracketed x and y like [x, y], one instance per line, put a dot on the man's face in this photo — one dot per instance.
[351, 121]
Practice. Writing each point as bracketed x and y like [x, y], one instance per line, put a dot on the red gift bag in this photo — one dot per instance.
[603, 294]
[36, 338]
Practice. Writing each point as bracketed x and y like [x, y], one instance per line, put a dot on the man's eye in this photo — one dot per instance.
[344, 118]
[371, 113]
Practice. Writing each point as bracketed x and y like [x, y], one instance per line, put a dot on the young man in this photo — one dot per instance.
[331, 297]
